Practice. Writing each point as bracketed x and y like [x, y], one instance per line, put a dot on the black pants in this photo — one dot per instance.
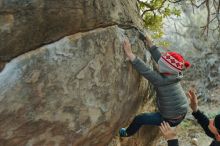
[154, 119]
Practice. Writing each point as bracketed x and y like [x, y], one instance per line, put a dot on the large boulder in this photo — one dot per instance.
[77, 91]
[28, 24]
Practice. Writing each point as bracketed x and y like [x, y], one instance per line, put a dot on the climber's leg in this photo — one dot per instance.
[143, 119]
[139, 120]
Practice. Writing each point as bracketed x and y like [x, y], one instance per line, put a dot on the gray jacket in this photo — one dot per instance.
[171, 99]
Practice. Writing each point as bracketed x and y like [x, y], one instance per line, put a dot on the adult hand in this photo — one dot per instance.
[193, 100]
[167, 131]
[127, 49]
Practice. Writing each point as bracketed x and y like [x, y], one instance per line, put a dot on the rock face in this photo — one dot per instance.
[77, 91]
[27, 25]
[67, 81]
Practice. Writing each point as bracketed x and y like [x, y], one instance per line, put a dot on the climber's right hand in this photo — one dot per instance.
[149, 42]
[146, 39]
[142, 36]
[127, 49]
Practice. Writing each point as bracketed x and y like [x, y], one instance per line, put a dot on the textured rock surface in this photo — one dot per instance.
[75, 92]
[26, 25]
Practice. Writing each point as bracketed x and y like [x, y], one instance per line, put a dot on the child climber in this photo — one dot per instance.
[171, 99]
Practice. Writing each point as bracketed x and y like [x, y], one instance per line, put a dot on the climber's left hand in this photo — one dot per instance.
[127, 49]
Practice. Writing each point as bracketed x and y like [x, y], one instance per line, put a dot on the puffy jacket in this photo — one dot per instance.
[171, 99]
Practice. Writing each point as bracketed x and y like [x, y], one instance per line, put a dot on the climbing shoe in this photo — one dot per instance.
[122, 132]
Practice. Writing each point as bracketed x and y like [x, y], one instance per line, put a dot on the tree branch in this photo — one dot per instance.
[151, 8]
[146, 4]
[197, 6]
[177, 1]
[145, 11]
[208, 18]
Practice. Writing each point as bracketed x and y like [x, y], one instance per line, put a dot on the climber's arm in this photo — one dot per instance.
[146, 39]
[149, 42]
[155, 53]
[141, 67]
[145, 70]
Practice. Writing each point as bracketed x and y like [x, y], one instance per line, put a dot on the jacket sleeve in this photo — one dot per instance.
[145, 70]
[173, 142]
[155, 53]
[204, 122]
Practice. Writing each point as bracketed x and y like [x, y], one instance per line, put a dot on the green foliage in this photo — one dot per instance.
[211, 115]
[163, 43]
[176, 12]
[141, 6]
[153, 13]
[186, 124]
[154, 23]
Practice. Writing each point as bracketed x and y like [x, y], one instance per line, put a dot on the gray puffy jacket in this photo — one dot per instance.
[171, 99]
